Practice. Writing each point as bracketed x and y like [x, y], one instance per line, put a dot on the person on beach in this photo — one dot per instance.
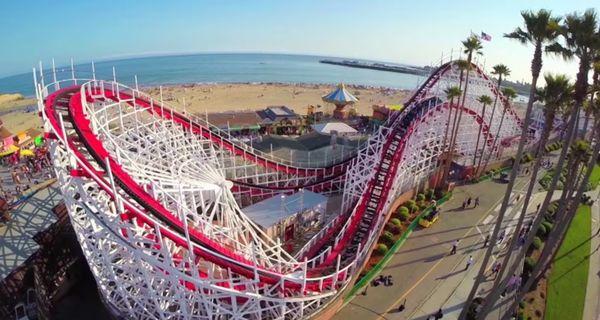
[454, 247]
[469, 262]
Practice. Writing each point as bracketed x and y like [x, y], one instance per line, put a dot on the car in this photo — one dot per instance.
[20, 312]
[31, 306]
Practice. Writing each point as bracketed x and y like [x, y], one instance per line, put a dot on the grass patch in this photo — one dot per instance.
[592, 182]
[568, 278]
[595, 177]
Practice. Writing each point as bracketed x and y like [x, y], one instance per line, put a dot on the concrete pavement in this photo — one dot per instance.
[424, 273]
[592, 297]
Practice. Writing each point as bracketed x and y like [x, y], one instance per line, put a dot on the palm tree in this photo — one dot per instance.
[595, 87]
[472, 46]
[540, 28]
[580, 34]
[556, 95]
[462, 65]
[452, 93]
[485, 101]
[510, 94]
[501, 71]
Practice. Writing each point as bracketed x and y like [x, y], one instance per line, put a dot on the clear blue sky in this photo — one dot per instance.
[398, 31]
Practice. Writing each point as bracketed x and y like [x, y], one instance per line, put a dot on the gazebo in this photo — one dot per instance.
[340, 97]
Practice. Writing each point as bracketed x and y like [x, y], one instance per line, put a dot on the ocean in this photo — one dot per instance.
[220, 68]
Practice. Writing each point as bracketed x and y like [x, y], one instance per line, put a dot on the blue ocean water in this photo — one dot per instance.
[221, 68]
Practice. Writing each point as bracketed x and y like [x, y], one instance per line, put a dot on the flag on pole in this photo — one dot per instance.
[485, 36]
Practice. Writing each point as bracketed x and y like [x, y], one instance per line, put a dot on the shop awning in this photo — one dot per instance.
[10, 150]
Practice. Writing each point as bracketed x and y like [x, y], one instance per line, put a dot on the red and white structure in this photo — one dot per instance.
[153, 194]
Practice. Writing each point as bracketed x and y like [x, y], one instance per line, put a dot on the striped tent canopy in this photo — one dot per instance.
[340, 96]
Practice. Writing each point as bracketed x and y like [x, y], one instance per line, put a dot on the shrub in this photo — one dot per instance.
[381, 249]
[548, 225]
[387, 238]
[537, 243]
[522, 304]
[396, 222]
[420, 197]
[413, 207]
[403, 213]
[430, 194]
[541, 231]
[404, 216]
[410, 203]
[529, 264]
[394, 229]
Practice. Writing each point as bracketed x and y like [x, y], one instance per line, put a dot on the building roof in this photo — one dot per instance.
[235, 119]
[270, 211]
[4, 133]
[277, 113]
[326, 128]
[340, 96]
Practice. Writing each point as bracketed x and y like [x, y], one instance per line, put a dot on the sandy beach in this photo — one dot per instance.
[223, 97]
[226, 97]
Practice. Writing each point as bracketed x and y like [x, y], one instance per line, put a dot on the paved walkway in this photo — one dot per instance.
[426, 277]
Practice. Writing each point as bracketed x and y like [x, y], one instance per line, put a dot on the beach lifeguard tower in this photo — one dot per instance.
[340, 97]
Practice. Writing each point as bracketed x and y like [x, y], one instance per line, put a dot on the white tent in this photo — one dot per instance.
[339, 127]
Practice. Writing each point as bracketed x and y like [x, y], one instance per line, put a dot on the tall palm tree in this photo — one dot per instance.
[540, 28]
[580, 34]
[556, 95]
[510, 94]
[594, 91]
[485, 100]
[462, 65]
[501, 71]
[452, 93]
[472, 46]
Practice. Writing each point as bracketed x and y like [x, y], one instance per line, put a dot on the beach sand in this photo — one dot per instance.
[226, 97]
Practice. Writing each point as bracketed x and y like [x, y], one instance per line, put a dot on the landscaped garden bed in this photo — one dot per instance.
[403, 220]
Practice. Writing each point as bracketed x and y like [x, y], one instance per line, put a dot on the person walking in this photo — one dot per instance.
[469, 262]
[485, 242]
[402, 306]
[464, 204]
[439, 314]
[476, 202]
[496, 269]
[454, 247]
[469, 201]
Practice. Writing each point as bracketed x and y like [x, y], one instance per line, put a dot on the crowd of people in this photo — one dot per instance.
[24, 172]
